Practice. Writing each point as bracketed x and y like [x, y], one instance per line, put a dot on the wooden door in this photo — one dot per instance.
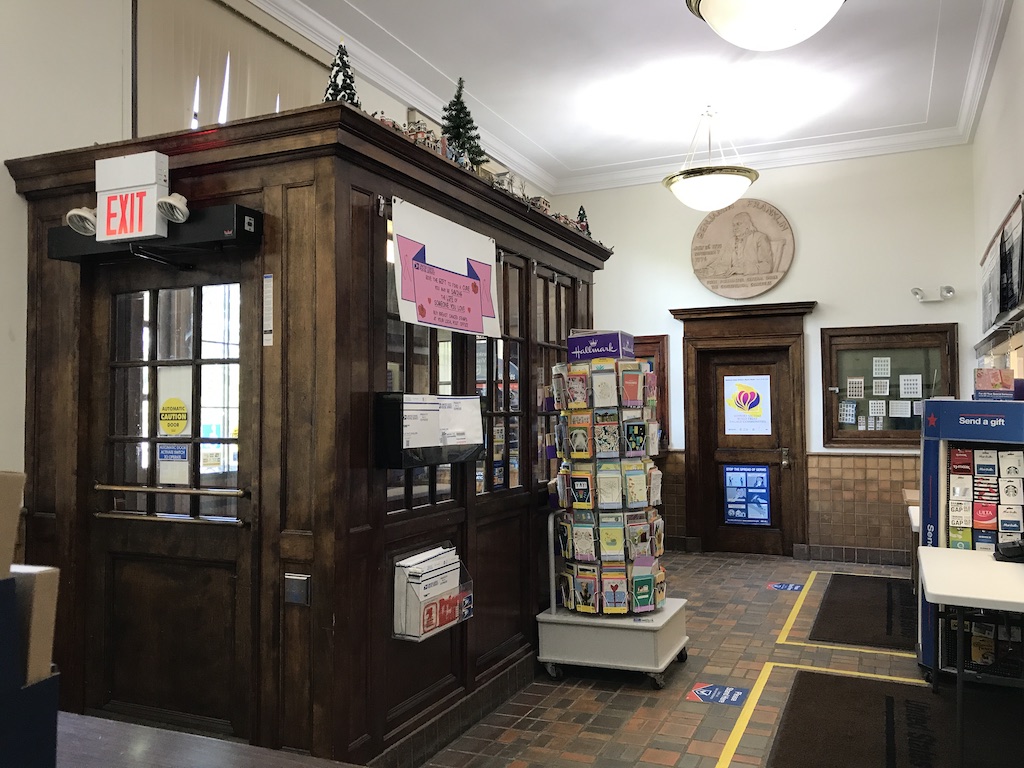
[170, 625]
[747, 439]
[746, 476]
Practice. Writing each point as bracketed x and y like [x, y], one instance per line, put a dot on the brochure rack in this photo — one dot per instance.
[608, 603]
[972, 478]
[28, 713]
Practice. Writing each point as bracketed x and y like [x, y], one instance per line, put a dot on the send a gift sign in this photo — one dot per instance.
[444, 272]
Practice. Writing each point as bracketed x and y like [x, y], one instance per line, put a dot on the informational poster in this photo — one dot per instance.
[444, 272]
[748, 405]
[268, 310]
[746, 494]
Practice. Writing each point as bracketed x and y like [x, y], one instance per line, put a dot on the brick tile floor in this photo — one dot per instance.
[613, 719]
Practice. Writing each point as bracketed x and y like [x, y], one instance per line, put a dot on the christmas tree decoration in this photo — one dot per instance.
[342, 85]
[581, 220]
[462, 133]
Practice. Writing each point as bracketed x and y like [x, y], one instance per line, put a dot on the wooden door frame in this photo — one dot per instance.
[732, 329]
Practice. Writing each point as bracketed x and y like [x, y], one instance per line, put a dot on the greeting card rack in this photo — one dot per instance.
[609, 606]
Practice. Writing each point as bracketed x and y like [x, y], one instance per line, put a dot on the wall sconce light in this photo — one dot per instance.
[82, 220]
[945, 292]
[173, 207]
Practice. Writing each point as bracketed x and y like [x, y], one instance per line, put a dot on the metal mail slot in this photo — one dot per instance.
[296, 588]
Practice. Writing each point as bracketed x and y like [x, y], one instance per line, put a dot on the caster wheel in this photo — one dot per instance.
[683, 656]
[657, 681]
[553, 670]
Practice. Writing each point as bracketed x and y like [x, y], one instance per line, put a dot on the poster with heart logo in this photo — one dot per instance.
[748, 405]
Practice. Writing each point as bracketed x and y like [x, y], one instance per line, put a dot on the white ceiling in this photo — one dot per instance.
[577, 95]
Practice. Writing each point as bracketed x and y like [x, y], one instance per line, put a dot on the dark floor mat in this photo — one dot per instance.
[872, 611]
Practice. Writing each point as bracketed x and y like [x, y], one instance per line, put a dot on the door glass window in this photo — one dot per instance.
[175, 404]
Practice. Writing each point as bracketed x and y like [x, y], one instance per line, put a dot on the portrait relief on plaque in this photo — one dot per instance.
[742, 250]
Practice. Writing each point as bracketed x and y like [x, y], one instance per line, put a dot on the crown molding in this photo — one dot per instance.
[395, 83]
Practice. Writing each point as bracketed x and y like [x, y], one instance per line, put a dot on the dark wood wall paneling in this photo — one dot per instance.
[326, 677]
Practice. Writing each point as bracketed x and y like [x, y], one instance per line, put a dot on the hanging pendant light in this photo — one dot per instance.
[709, 187]
[765, 25]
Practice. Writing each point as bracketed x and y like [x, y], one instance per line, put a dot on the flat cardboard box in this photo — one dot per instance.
[36, 590]
[11, 486]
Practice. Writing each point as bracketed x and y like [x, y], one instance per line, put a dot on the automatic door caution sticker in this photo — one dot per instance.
[173, 416]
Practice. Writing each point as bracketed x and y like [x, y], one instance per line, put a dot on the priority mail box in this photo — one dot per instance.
[11, 485]
[431, 594]
[587, 345]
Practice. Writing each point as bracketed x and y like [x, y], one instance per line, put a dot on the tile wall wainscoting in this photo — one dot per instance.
[855, 507]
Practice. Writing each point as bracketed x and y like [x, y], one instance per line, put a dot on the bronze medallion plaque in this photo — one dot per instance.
[742, 250]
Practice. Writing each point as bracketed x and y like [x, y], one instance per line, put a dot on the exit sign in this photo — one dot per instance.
[127, 189]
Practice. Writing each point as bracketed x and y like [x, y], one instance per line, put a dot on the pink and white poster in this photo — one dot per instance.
[444, 272]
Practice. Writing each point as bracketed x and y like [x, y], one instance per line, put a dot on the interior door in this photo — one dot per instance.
[748, 441]
[169, 616]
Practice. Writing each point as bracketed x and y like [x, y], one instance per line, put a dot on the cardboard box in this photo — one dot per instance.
[586, 345]
[36, 590]
[11, 486]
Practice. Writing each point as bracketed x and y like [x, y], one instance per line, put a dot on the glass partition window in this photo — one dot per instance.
[174, 415]
[419, 361]
[876, 379]
[499, 382]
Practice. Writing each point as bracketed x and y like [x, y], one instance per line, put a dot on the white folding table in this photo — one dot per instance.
[962, 579]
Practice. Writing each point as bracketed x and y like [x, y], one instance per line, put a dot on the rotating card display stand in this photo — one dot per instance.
[614, 611]
[641, 642]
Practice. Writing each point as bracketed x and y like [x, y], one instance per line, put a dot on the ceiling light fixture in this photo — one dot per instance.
[82, 221]
[709, 187]
[765, 25]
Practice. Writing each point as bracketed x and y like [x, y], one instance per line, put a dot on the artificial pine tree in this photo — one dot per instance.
[457, 124]
[581, 219]
[342, 85]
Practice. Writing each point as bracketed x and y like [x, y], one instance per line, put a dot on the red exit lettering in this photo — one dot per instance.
[124, 213]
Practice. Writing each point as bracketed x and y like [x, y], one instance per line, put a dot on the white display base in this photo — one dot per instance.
[644, 642]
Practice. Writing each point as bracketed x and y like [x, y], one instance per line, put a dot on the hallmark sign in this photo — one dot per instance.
[587, 345]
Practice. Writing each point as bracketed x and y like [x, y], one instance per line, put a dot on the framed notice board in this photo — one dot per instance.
[875, 380]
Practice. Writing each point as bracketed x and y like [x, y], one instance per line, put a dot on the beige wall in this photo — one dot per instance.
[866, 232]
[65, 85]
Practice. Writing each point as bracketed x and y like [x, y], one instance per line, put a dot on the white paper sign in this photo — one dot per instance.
[460, 421]
[421, 425]
[910, 386]
[445, 273]
[748, 405]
